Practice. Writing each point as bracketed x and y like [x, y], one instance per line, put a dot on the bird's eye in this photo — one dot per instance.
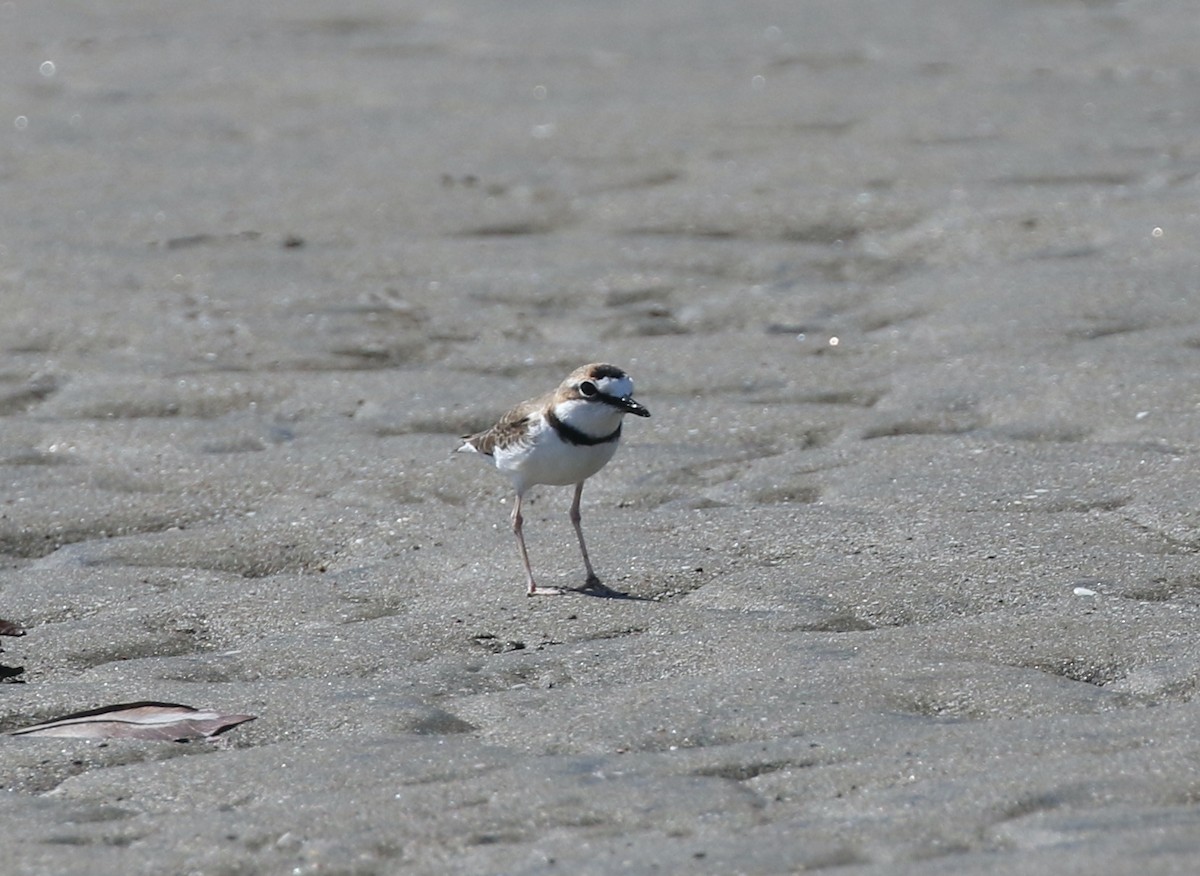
[588, 388]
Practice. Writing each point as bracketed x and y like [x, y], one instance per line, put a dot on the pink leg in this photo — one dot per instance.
[592, 579]
[531, 588]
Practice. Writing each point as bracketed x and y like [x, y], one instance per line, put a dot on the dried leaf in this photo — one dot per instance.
[144, 720]
[11, 628]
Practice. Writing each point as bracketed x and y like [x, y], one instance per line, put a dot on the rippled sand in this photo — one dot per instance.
[910, 541]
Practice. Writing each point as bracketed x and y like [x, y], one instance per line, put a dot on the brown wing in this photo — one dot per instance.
[508, 430]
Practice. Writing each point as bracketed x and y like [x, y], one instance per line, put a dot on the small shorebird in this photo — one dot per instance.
[563, 437]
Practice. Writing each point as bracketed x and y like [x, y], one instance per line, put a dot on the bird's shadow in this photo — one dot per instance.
[602, 591]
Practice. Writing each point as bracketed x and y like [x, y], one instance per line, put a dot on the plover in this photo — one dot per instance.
[561, 438]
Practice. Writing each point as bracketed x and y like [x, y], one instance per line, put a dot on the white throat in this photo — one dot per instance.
[594, 419]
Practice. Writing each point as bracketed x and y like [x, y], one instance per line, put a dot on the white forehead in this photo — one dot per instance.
[615, 386]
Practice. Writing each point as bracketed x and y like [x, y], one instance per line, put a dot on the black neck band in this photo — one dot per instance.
[574, 436]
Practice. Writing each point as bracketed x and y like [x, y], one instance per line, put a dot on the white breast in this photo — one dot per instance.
[544, 458]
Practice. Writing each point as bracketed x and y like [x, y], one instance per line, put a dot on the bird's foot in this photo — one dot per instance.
[546, 591]
[596, 587]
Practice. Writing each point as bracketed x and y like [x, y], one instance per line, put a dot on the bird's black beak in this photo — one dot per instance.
[627, 404]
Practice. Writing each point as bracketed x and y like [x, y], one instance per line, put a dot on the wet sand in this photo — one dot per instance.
[910, 541]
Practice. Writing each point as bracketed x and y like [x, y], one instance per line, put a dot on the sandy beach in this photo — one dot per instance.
[909, 551]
